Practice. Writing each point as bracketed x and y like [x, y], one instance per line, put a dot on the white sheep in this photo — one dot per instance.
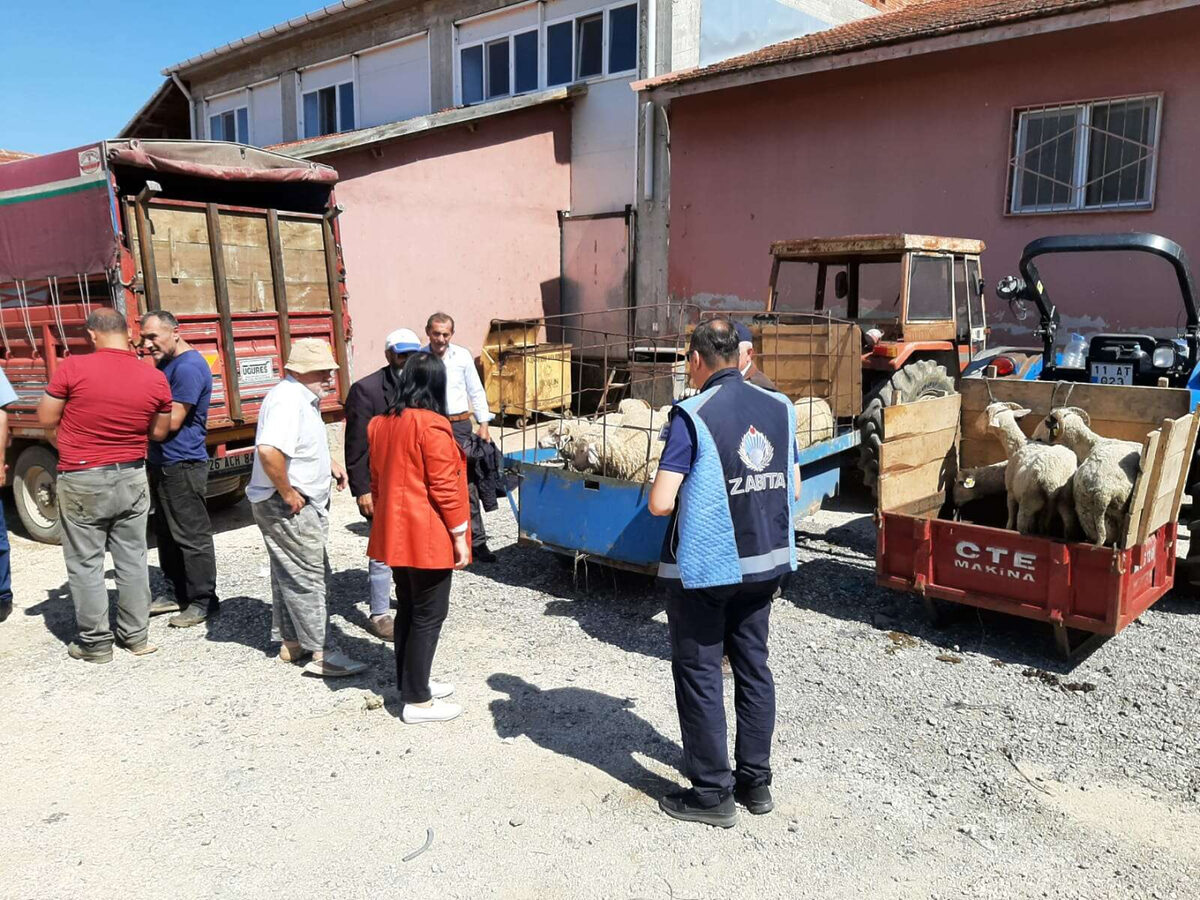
[977, 482]
[1038, 476]
[630, 451]
[1107, 471]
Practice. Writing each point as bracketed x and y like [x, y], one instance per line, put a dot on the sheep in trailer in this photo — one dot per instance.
[1107, 471]
[978, 482]
[814, 421]
[630, 451]
[1038, 476]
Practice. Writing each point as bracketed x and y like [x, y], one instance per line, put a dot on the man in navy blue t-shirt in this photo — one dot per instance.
[179, 477]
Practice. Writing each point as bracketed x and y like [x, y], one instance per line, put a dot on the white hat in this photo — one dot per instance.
[402, 340]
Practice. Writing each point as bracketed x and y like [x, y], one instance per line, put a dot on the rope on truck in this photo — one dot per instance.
[56, 306]
[23, 295]
[86, 293]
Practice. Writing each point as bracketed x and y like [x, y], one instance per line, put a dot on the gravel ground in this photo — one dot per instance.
[910, 762]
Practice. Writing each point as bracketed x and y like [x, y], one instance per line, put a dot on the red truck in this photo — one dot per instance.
[241, 244]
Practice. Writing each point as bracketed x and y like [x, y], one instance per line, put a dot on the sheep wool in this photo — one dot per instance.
[1107, 471]
[1038, 476]
[814, 421]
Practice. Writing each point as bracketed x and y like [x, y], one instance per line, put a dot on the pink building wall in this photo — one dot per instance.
[461, 221]
[922, 145]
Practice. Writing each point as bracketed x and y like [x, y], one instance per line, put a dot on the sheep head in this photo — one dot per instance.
[999, 412]
[556, 436]
[1066, 419]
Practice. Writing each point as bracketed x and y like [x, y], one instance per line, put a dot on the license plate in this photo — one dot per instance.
[231, 463]
[1112, 373]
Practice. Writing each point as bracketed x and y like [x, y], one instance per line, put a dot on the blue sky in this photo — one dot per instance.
[73, 71]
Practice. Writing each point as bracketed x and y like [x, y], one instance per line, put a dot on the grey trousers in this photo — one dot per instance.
[105, 510]
[296, 547]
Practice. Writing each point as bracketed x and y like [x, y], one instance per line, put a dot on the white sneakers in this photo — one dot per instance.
[440, 689]
[437, 711]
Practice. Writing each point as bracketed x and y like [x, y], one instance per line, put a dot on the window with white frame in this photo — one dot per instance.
[592, 45]
[500, 67]
[231, 125]
[596, 44]
[329, 110]
[1077, 157]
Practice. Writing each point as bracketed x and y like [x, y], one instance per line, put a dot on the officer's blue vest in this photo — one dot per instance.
[733, 522]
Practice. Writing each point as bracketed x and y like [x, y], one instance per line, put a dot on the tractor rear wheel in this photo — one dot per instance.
[924, 379]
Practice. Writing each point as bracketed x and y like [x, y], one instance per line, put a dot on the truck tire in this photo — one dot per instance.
[34, 478]
[920, 380]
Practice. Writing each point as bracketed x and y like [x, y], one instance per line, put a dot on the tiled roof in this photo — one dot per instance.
[922, 20]
[7, 156]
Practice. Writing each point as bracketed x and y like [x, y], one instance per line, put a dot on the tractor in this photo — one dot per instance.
[1130, 359]
[918, 301]
[1121, 359]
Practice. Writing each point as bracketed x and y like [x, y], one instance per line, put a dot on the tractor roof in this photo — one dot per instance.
[859, 245]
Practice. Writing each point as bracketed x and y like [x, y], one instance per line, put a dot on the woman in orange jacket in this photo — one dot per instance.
[421, 526]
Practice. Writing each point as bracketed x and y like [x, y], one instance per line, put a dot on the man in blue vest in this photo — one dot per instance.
[728, 474]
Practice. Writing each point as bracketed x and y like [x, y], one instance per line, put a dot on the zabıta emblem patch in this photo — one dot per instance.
[755, 450]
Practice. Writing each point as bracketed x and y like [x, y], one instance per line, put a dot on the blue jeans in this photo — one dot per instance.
[6, 594]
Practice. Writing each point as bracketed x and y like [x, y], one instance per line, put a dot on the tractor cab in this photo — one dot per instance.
[913, 296]
[1125, 359]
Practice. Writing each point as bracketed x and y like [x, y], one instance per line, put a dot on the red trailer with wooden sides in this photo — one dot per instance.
[241, 244]
[963, 556]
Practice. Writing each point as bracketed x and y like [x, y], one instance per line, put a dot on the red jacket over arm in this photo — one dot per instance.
[419, 485]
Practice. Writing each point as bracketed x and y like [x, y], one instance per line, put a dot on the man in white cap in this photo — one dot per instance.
[289, 494]
[370, 397]
[746, 364]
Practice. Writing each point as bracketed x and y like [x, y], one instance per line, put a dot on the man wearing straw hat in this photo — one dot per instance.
[289, 493]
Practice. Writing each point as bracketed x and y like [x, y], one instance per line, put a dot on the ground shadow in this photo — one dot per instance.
[247, 621]
[841, 585]
[228, 518]
[589, 726]
[361, 527]
[610, 605]
[58, 612]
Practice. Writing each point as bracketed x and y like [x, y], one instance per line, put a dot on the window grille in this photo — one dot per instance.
[1077, 157]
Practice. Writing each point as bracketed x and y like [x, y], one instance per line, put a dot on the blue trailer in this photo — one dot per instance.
[608, 520]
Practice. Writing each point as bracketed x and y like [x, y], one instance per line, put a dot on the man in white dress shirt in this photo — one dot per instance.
[464, 395]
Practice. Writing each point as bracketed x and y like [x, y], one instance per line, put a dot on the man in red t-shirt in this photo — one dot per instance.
[106, 405]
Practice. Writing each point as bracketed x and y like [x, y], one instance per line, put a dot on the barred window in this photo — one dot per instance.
[1085, 156]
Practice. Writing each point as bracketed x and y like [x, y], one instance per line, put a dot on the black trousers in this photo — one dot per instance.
[704, 624]
[478, 536]
[422, 602]
[184, 532]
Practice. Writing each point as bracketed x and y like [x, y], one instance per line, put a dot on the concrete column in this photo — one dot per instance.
[287, 102]
[441, 63]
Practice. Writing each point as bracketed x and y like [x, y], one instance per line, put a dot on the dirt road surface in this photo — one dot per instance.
[909, 762]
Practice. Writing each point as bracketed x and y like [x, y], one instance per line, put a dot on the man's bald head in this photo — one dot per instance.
[108, 329]
[107, 321]
[717, 343]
